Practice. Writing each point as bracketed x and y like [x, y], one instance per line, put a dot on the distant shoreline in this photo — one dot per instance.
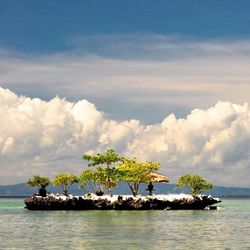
[15, 196]
[235, 196]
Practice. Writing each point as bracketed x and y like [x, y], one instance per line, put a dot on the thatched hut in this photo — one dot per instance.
[155, 177]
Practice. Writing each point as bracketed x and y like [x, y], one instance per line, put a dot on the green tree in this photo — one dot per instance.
[195, 182]
[65, 180]
[98, 179]
[41, 182]
[106, 160]
[134, 173]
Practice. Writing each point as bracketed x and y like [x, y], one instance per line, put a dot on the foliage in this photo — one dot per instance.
[134, 173]
[41, 182]
[109, 172]
[98, 179]
[89, 175]
[195, 182]
[107, 158]
[65, 180]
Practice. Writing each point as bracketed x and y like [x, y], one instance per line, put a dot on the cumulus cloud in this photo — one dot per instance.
[164, 74]
[45, 137]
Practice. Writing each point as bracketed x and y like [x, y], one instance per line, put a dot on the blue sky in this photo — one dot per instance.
[49, 26]
[139, 32]
[168, 80]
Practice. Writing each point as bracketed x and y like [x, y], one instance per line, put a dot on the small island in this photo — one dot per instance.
[120, 202]
[103, 179]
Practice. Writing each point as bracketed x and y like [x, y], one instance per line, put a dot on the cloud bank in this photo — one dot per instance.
[162, 73]
[45, 137]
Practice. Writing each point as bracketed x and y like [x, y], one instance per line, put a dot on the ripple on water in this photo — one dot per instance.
[228, 228]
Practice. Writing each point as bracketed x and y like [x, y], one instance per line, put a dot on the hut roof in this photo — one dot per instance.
[158, 177]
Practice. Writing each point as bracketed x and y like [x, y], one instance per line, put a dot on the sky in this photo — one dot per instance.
[161, 80]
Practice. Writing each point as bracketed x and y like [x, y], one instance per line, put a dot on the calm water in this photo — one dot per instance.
[227, 228]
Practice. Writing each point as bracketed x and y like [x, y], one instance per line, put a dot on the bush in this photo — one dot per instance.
[195, 182]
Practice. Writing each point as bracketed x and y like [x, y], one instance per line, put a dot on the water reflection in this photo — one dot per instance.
[221, 229]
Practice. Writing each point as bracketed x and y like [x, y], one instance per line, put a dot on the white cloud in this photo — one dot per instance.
[162, 73]
[45, 137]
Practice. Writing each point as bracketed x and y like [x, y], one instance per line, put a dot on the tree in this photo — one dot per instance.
[195, 182]
[65, 180]
[98, 179]
[41, 182]
[106, 159]
[135, 173]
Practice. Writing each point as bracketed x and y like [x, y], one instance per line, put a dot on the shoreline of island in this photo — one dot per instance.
[121, 202]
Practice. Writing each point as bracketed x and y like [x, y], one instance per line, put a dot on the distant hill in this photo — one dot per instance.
[122, 188]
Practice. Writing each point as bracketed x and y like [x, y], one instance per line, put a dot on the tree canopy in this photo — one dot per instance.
[108, 171]
[111, 168]
[41, 182]
[96, 177]
[107, 158]
[134, 173]
[65, 180]
[195, 182]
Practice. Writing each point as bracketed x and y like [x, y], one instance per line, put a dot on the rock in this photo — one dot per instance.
[90, 202]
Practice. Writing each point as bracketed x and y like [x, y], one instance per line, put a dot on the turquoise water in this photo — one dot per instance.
[227, 228]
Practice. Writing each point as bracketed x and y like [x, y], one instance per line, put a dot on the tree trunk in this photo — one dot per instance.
[136, 188]
[134, 193]
[109, 188]
[132, 189]
[110, 192]
[65, 191]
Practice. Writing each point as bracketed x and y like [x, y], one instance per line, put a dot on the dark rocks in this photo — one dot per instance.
[99, 193]
[88, 202]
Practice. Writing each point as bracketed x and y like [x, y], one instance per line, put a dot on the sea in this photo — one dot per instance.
[228, 227]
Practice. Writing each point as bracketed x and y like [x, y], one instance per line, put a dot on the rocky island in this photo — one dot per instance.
[120, 202]
[111, 168]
